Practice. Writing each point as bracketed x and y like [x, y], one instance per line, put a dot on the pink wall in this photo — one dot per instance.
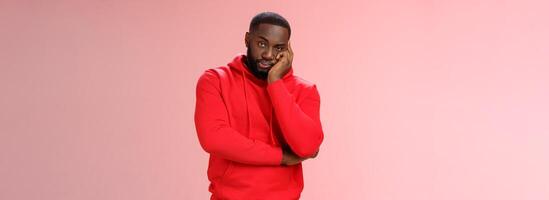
[426, 100]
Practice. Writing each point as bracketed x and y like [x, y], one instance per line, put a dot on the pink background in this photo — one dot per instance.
[426, 100]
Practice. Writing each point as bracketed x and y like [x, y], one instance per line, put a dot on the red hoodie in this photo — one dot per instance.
[244, 123]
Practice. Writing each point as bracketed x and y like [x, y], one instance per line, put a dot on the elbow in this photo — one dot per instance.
[208, 141]
[308, 151]
[208, 136]
[308, 148]
[207, 144]
[210, 145]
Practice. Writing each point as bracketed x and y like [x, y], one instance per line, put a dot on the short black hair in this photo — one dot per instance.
[270, 18]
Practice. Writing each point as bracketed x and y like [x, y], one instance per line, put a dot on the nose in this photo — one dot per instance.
[268, 54]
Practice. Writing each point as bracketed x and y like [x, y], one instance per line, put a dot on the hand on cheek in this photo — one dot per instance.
[282, 66]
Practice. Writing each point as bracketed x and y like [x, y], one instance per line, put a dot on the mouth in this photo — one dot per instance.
[265, 65]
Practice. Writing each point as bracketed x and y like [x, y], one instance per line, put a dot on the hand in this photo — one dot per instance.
[289, 158]
[282, 66]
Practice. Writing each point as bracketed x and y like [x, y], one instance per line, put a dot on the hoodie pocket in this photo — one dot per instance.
[221, 188]
[227, 171]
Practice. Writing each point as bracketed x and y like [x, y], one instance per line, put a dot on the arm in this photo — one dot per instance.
[300, 123]
[215, 134]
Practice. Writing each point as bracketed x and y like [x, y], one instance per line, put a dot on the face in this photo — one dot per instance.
[264, 44]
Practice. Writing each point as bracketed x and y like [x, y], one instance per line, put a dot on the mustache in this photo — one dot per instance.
[266, 62]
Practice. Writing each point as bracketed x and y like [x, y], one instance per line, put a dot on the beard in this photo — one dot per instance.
[252, 63]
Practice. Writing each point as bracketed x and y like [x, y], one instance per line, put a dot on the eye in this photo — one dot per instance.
[261, 44]
[280, 48]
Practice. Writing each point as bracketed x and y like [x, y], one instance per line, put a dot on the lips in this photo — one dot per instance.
[264, 65]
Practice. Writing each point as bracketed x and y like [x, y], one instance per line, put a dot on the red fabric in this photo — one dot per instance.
[244, 123]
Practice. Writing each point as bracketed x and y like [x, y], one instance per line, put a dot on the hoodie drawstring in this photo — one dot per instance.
[244, 81]
[271, 126]
[246, 102]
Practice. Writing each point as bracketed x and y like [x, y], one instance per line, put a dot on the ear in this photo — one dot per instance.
[247, 39]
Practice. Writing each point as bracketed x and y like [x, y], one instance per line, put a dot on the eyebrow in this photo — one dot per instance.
[264, 38]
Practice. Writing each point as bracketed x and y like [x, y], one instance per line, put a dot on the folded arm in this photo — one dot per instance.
[217, 137]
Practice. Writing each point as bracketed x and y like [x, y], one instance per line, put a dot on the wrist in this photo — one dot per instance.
[272, 79]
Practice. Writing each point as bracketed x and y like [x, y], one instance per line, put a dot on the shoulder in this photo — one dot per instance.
[214, 74]
[302, 89]
[211, 78]
[300, 83]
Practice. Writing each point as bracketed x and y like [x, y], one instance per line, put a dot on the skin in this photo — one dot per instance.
[268, 45]
[289, 158]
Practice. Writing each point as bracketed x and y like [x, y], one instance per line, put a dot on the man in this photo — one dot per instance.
[256, 119]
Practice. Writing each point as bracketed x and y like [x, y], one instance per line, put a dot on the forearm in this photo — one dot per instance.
[218, 138]
[229, 144]
[301, 130]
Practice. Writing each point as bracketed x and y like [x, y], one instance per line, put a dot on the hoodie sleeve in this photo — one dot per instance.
[300, 123]
[215, 134]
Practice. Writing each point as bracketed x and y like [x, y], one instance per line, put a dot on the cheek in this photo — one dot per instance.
[256, 53]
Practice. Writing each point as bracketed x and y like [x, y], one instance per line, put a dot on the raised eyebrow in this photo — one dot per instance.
[267, 40]
[263, 38]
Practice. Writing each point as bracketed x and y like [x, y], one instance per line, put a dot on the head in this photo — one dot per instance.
[268, 35]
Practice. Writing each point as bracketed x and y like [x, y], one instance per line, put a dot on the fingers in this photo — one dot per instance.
[290, 52]
[290, 48]
[285, 58]
[282, 57]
